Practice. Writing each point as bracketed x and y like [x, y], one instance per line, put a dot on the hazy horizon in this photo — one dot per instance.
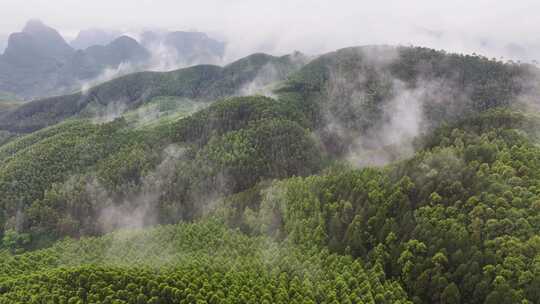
[311, 27]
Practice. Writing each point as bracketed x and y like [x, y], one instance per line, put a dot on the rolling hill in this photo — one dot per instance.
[371, 174]
[203, 82]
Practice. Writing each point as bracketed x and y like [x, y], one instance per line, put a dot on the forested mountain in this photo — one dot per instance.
[216, 265]
[202, 83]
[372, 174]
[38, 62]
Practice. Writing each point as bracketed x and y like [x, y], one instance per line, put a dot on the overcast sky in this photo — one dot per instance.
[490, 27]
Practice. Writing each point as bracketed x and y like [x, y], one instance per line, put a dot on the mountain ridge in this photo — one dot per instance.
[38, 62]
[203, 82]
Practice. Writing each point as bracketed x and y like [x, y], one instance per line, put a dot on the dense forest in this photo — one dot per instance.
[368, 175]
[199, 83]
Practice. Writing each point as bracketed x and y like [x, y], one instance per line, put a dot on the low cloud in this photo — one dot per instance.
[107, 74]
[507, 29]
[138, 207]
[373, 118]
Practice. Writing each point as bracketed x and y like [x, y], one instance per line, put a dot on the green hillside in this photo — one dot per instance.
[43, 175]
[189, 263]
[202, 83]
[459, 217]
[354, 87]
[162, 110]
[372, 175]
[7, 103]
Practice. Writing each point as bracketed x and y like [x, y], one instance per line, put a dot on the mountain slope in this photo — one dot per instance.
[203, 82]
[456, 222]
[90, 63]
[36, 38]
[369, 92]
[418, 169]
[189, 263]
[47, 164]
[31, 59]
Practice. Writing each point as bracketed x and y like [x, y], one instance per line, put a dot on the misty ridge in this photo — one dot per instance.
[38, 62]
[96, 55]
[372, 106]
[197, 85]
[370, 112]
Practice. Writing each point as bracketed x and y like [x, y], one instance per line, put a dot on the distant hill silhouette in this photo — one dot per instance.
[91, 37]
[38, 62]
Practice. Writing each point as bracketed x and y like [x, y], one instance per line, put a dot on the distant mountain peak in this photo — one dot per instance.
[195, 46]
[39, 62]
[124, 39]
[95, 36]
[42, 39]
[34, 25]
